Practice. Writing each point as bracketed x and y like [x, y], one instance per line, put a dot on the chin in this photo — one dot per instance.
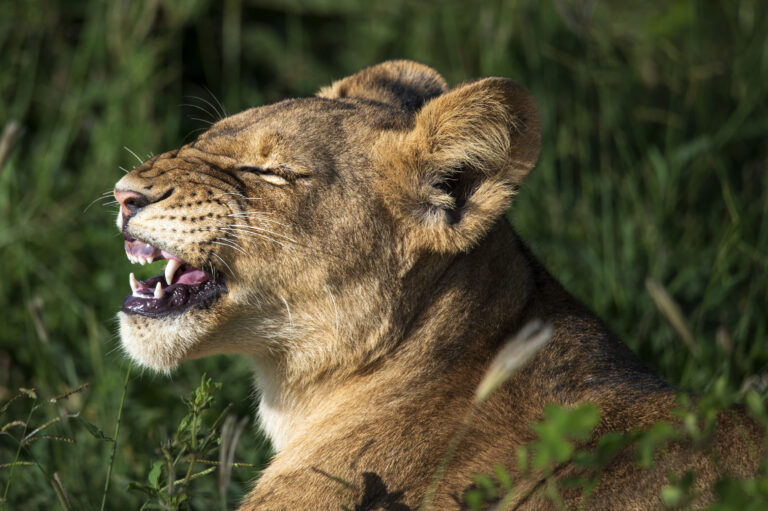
[161, 344]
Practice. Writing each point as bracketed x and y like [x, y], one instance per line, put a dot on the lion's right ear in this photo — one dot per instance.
[401, 83]
[454, 173]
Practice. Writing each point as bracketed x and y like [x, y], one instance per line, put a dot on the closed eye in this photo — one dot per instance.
[266, 174]
[254, 170]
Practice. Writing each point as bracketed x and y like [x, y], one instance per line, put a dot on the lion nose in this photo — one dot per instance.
[130, 202]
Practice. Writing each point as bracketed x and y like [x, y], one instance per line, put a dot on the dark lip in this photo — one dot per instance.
[178, 298]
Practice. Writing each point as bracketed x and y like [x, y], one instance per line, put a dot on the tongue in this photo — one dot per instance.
[191, 276]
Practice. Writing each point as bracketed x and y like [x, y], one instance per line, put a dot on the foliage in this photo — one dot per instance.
[653, 169]
[193, 442]
[564, 442]
[28, 433]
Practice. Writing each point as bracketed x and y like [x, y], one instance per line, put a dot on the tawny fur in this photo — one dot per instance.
[372, 278]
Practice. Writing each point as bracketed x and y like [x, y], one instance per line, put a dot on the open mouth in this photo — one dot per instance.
[181, 286]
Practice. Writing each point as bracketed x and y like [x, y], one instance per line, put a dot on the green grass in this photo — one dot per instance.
[653, 167]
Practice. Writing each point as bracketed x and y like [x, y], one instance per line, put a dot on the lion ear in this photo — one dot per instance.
[401, 83]
[456, 171]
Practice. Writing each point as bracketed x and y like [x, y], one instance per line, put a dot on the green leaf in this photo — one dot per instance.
[154, 474]
[94, 430]
[502, 476]
[561, 425]
[522, 459]
[756, 406]
[475, 499]
[608, 446]
[672, 496]
[143, 488]
[485, 482]
[575, 423]
[650, 440]
[184, 426]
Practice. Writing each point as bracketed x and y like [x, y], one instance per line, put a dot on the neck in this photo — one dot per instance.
[448, 314]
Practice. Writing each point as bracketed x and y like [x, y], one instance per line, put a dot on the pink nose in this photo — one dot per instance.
[130, 202]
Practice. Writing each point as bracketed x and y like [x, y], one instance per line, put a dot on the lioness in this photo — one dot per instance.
[354, 245]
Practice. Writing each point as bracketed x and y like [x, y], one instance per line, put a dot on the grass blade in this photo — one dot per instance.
[115, 437]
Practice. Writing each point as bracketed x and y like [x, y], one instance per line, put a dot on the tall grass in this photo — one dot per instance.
[653, 168]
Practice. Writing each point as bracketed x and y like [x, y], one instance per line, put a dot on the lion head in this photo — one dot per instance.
[303, 233]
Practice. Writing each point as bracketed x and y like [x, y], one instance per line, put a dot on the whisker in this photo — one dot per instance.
[223, 261]
[258, 218]
[194, 131]
[229, 244]
[270, 220]
[225, 245]
[255, 230]
[134, 154]
[290, 316]
[234, 247]
[97, 199]
[239, 195]
[214, 115]
[202, 120]
[242, 233]
[223, 110]
[251, 233]
[218, 114]
[246, 231]
[206, 112]
[264, 230]
[236, 230]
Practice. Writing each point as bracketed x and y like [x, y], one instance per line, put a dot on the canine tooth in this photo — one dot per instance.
[159, 290]
[170, 270]
[134, 283]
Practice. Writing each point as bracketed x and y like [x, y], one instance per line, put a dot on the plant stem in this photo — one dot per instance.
[115, 438]
[52, 478]
[59, 488]
[16, 458]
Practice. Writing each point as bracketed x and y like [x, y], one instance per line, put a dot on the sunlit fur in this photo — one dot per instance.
[372, 277]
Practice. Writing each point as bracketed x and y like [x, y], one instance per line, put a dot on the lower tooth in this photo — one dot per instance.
[159, 293]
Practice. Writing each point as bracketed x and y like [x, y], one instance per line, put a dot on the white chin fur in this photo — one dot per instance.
[158, 343]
